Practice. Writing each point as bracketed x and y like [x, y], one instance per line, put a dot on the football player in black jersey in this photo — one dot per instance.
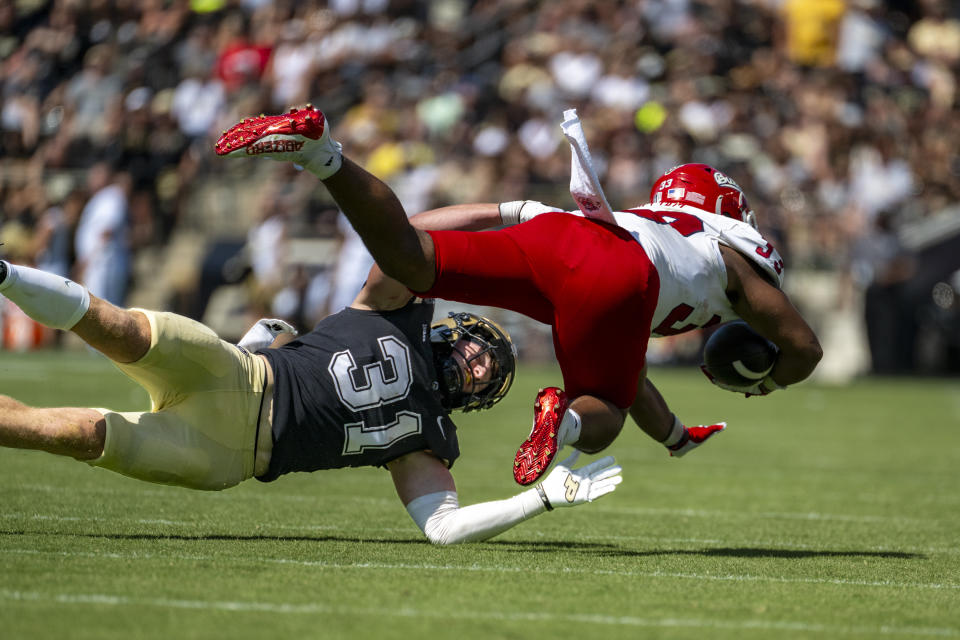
[371, 385]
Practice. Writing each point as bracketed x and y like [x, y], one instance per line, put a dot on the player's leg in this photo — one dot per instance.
[210, 424]
[587, 423]
[74, 432]
[491, 269]
[302, 136]
[604, 420]
[122, 335]
[402, 251]
[603, 291]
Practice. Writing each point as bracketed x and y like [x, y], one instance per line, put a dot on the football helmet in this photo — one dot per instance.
[455, 380]
[703, 187]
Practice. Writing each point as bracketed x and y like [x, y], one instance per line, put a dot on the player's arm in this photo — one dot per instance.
[460, 217]
[381, 293]
[426, 488]
[480, 216]
[769, 311]
[650, 411]
[652, 414]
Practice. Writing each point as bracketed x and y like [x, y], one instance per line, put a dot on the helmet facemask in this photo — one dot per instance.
[460, 340]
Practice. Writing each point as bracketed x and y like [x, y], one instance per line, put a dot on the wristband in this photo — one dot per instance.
[543, 497]
[770, 384]
[767, 386]
[510, 212]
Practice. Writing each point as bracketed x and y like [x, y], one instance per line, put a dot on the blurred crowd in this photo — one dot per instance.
[839, 118]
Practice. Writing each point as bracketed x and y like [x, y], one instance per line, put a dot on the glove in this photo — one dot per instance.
[568, 487]
[693, 437]
[263, 333]
[518, 211]
[766, 386]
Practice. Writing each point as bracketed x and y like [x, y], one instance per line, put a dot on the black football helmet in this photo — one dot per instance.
[452, 378]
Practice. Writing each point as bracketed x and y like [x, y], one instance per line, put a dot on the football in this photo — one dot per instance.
[738, 356]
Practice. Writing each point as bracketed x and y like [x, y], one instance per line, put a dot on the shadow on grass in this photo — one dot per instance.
[748, 552]
[525, 546]
[219, 537]
[725, 552]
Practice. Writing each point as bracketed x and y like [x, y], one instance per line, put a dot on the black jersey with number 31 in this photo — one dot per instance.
[358, 390]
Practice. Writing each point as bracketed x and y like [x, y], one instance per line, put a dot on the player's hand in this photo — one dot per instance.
[693, 437]
[764, 387]
[518, 211]
[568, 487]
[264, 332]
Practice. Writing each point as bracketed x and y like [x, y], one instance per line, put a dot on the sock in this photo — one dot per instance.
[584, 184]
[49, 299]
[326, 161]
[569, 431]
[677, 432]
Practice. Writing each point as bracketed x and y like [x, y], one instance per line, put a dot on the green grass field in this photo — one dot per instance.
[820, 513]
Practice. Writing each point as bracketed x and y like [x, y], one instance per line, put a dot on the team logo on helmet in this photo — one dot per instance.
[724, 181]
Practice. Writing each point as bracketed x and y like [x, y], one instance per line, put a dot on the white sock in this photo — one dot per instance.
[569, 431]
[327, 160]
[584, 184]
[49, 299]
[676, 433]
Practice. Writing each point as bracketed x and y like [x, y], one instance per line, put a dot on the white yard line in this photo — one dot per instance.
[381, 566]
[449, 614]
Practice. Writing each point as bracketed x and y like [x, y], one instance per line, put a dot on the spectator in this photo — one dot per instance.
[881, 267]
[818, 106]
[103, 259]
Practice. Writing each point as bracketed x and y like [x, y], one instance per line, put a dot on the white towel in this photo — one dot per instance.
[584, 184]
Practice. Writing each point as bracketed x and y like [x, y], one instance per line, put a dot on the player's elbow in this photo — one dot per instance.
[450, 530]
[436, 515]
[441, 539]
[812, 353]
[815, 355]
[448, 533]
[803, 356]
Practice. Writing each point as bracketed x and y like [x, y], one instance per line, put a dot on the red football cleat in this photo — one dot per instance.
[538, 450]
[300, 136]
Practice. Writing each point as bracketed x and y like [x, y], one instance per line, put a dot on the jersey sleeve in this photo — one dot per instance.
[745, 240]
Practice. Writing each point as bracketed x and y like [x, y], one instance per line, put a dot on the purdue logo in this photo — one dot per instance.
[274, 146]
[571, 486]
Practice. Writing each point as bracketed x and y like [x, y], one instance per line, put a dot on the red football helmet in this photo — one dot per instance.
[703, 187]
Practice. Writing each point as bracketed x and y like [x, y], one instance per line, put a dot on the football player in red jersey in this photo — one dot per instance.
[690, 258]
